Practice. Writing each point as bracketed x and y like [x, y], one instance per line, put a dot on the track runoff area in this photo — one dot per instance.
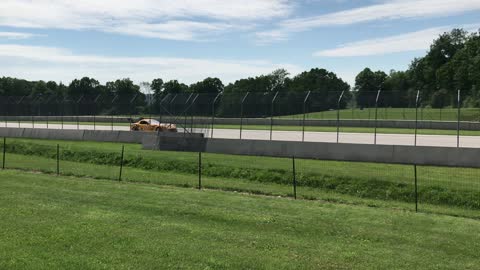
[344, 137]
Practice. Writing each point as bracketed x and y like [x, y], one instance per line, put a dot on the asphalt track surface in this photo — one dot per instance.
[360, 138]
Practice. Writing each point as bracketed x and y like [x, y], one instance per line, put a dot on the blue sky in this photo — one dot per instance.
[189, 40]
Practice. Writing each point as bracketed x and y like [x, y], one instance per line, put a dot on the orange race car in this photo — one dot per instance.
[152, 125]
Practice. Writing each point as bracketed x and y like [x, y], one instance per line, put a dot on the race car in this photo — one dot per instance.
[152, 125]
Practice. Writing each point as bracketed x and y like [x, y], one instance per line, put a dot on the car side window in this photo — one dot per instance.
[143, 122]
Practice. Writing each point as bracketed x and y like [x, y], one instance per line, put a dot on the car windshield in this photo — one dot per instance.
[151, 121]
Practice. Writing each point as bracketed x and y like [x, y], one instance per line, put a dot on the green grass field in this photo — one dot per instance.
[453, 191]
[53, 222]
[445, 114]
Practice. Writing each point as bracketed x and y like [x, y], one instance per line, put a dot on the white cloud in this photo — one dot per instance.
[413, 41]
[16, 35]
[389, 10]
[50, 63]
[179, 19]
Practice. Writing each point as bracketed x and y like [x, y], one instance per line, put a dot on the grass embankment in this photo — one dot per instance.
[447, 190]
[76, 223]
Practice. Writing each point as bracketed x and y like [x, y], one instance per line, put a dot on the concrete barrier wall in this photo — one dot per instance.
[445, 125]
[420, 155]
[85, 135]
[74, 135]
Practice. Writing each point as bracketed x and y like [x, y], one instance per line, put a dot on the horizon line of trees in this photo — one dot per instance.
[452, 63]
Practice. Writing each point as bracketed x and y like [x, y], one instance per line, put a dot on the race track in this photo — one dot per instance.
[361, 138]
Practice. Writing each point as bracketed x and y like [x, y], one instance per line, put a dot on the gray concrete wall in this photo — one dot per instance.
[74, 135]
[420, 155]
[445, 125]
[86, 135]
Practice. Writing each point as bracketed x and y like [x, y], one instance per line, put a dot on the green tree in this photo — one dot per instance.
[367, 84]
[174, 87]
[128, 98]
[86, 88]
[209, 85]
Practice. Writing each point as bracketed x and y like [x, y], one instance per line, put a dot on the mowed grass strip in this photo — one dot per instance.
[442, 186]
[452, 191]
[50, 223]
[444, 114]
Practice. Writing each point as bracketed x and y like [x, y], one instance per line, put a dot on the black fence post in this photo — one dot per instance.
[95, 108]
[416, 116]
[294, 178]
[271, 114]
[416, 187]
[192, 112]
[4, 151]
[62, 112]
[199, 170]
[241, 113]
[58, 159]
[376, 117]
[458, 119]
[5, 117]
[121, 164]
[304, 115]
[338, 115]
[213, 113]
[185, 112]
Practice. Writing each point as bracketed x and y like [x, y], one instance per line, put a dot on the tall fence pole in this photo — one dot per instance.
[185, 111]
[62, 112]
[132, 106]
[271, 114]
[95, 108]
[5, 117]
[121, 164]
[171, 104]
[338, 115]
[458, 118]
[58, 159]
[4, 151]
[78, 112]
[416, 187]
[113, 106]
[199, 170]
[416, 116]
[294, 178]
[17, 105]
[213, 113]
[376, 117]
[304, 115]
[241, 113]
[161, 107]
[192, 112]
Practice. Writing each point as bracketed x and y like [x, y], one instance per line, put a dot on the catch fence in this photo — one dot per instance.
[296, 112]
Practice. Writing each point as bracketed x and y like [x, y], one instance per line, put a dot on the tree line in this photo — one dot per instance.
[452, 63]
